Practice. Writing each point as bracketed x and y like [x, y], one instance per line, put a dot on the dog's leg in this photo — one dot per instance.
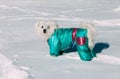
[85, 53]
[54, 50]
[83, 49]
[54, 47]
[91, 34]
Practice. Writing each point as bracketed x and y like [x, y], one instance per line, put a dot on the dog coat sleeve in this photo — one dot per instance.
[54, 45]
[82, 45]
[81, 40]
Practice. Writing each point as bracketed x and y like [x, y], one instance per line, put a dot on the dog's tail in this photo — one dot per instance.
[90, 28]
[91, 33]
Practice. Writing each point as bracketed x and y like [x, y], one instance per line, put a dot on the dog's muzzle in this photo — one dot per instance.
[44, 30]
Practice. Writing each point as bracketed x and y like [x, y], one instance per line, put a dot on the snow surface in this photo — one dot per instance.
[10, 71]
[24, 55]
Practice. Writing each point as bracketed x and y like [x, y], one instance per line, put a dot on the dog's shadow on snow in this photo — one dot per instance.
[97, 48]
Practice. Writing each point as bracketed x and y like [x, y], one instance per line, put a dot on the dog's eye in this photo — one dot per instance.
[48, 27]
[42, 27]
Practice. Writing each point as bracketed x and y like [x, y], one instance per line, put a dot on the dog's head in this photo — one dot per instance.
[45, 29]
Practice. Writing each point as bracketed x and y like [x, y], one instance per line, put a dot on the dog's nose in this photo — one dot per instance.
[44, 30]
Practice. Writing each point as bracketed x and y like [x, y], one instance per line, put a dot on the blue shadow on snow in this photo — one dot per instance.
[99, 47]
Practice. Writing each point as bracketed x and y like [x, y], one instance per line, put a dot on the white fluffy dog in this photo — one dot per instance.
[60, 39]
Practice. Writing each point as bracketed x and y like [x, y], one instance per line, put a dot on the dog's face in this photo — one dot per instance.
[45, 29]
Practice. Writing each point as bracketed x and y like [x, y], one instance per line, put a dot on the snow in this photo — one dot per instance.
[99, 58]
[110, 22]
[117, 9]
[10, 71]
[23, 55]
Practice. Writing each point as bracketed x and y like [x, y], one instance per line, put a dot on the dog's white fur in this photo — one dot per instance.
[91, 33]
[50, 26]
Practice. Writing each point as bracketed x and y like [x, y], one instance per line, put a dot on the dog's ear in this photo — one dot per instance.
[53, 24]
[39, 23]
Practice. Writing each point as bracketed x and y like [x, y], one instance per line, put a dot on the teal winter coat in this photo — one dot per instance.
[65, 38]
